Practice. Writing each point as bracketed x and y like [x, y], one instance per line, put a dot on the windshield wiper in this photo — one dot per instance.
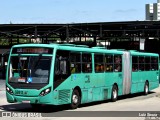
[19, 65]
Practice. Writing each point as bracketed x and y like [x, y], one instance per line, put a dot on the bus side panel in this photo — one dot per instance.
[97, 88]
[64, 90]
[134, 85]
[153, 79]
[111, 79]
[89, 85]
[151, 76]
[93, 86]
[139, 79]
[97, 84]
[142, 78]
[153, 85]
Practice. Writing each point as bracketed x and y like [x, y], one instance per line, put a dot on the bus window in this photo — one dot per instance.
[147, 63]
[108, 63]
[75, 62]
[134, 63]
[35, 67]
[63, 67]
[141, 63]
[86, 63]
[154, 63]
[61, 64]
[99, 63]
[117, 63]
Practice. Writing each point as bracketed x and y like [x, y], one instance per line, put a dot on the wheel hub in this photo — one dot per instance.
[115, 94]
[75, 99]
[146, 89]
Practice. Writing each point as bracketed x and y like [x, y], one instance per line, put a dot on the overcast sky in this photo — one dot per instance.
[69, 11]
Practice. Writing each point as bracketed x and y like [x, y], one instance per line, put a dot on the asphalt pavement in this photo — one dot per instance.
[2, 85]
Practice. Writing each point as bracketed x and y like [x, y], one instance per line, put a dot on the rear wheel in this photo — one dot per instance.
[75, 99]
[146, 88]
[114, 93]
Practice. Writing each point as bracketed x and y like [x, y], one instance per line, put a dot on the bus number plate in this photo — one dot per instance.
[26, 101]
[22, 80]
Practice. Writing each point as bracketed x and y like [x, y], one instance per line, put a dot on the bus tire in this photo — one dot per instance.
[75, 99]
[146, 88]
[114, 93]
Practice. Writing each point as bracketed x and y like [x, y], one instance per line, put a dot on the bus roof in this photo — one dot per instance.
[143, 53]
[84, 48]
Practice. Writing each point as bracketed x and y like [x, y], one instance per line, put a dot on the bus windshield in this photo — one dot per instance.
[29, 69]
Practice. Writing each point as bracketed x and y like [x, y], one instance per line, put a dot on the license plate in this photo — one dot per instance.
[25, 101]
[21, 80]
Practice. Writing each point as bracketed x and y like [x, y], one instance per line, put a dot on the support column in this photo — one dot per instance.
[35, 32]
[101, 31]
[67, 33]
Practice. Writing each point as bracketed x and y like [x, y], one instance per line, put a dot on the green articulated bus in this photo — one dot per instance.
[58, 74]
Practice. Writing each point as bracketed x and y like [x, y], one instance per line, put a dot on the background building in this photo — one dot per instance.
[153, 11]
[149, 11]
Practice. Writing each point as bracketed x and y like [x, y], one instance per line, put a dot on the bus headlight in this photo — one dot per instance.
[9, 90]
[45, 92]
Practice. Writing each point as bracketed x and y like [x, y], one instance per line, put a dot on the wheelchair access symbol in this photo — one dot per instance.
[29, 80]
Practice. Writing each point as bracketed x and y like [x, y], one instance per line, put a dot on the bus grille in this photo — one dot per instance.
[64, 96]
[28, 86]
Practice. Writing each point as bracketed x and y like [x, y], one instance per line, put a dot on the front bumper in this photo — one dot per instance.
[47, 99]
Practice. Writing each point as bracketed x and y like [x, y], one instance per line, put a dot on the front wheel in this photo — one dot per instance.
[114, 93]
[75, 99]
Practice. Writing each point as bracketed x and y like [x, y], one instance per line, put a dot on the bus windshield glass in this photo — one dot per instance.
[29, 69]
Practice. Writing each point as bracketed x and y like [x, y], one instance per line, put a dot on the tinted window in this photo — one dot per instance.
[108, 60]
[86, 63]
[141, 63]
[135, 63]
[99, 62]
[75, 62]
[154, 63]
[147, 63]
[117, 63]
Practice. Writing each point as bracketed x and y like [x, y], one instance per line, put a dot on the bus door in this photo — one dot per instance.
[61, 67]
[126, 73]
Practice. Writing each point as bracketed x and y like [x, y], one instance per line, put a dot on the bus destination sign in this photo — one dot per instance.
[32, 50]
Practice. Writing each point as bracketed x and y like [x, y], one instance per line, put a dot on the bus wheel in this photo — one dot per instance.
[146, 88]
[75, 100]
[114, 93]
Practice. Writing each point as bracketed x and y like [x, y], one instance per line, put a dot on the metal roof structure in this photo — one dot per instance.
[94, 28]
[79, 32]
